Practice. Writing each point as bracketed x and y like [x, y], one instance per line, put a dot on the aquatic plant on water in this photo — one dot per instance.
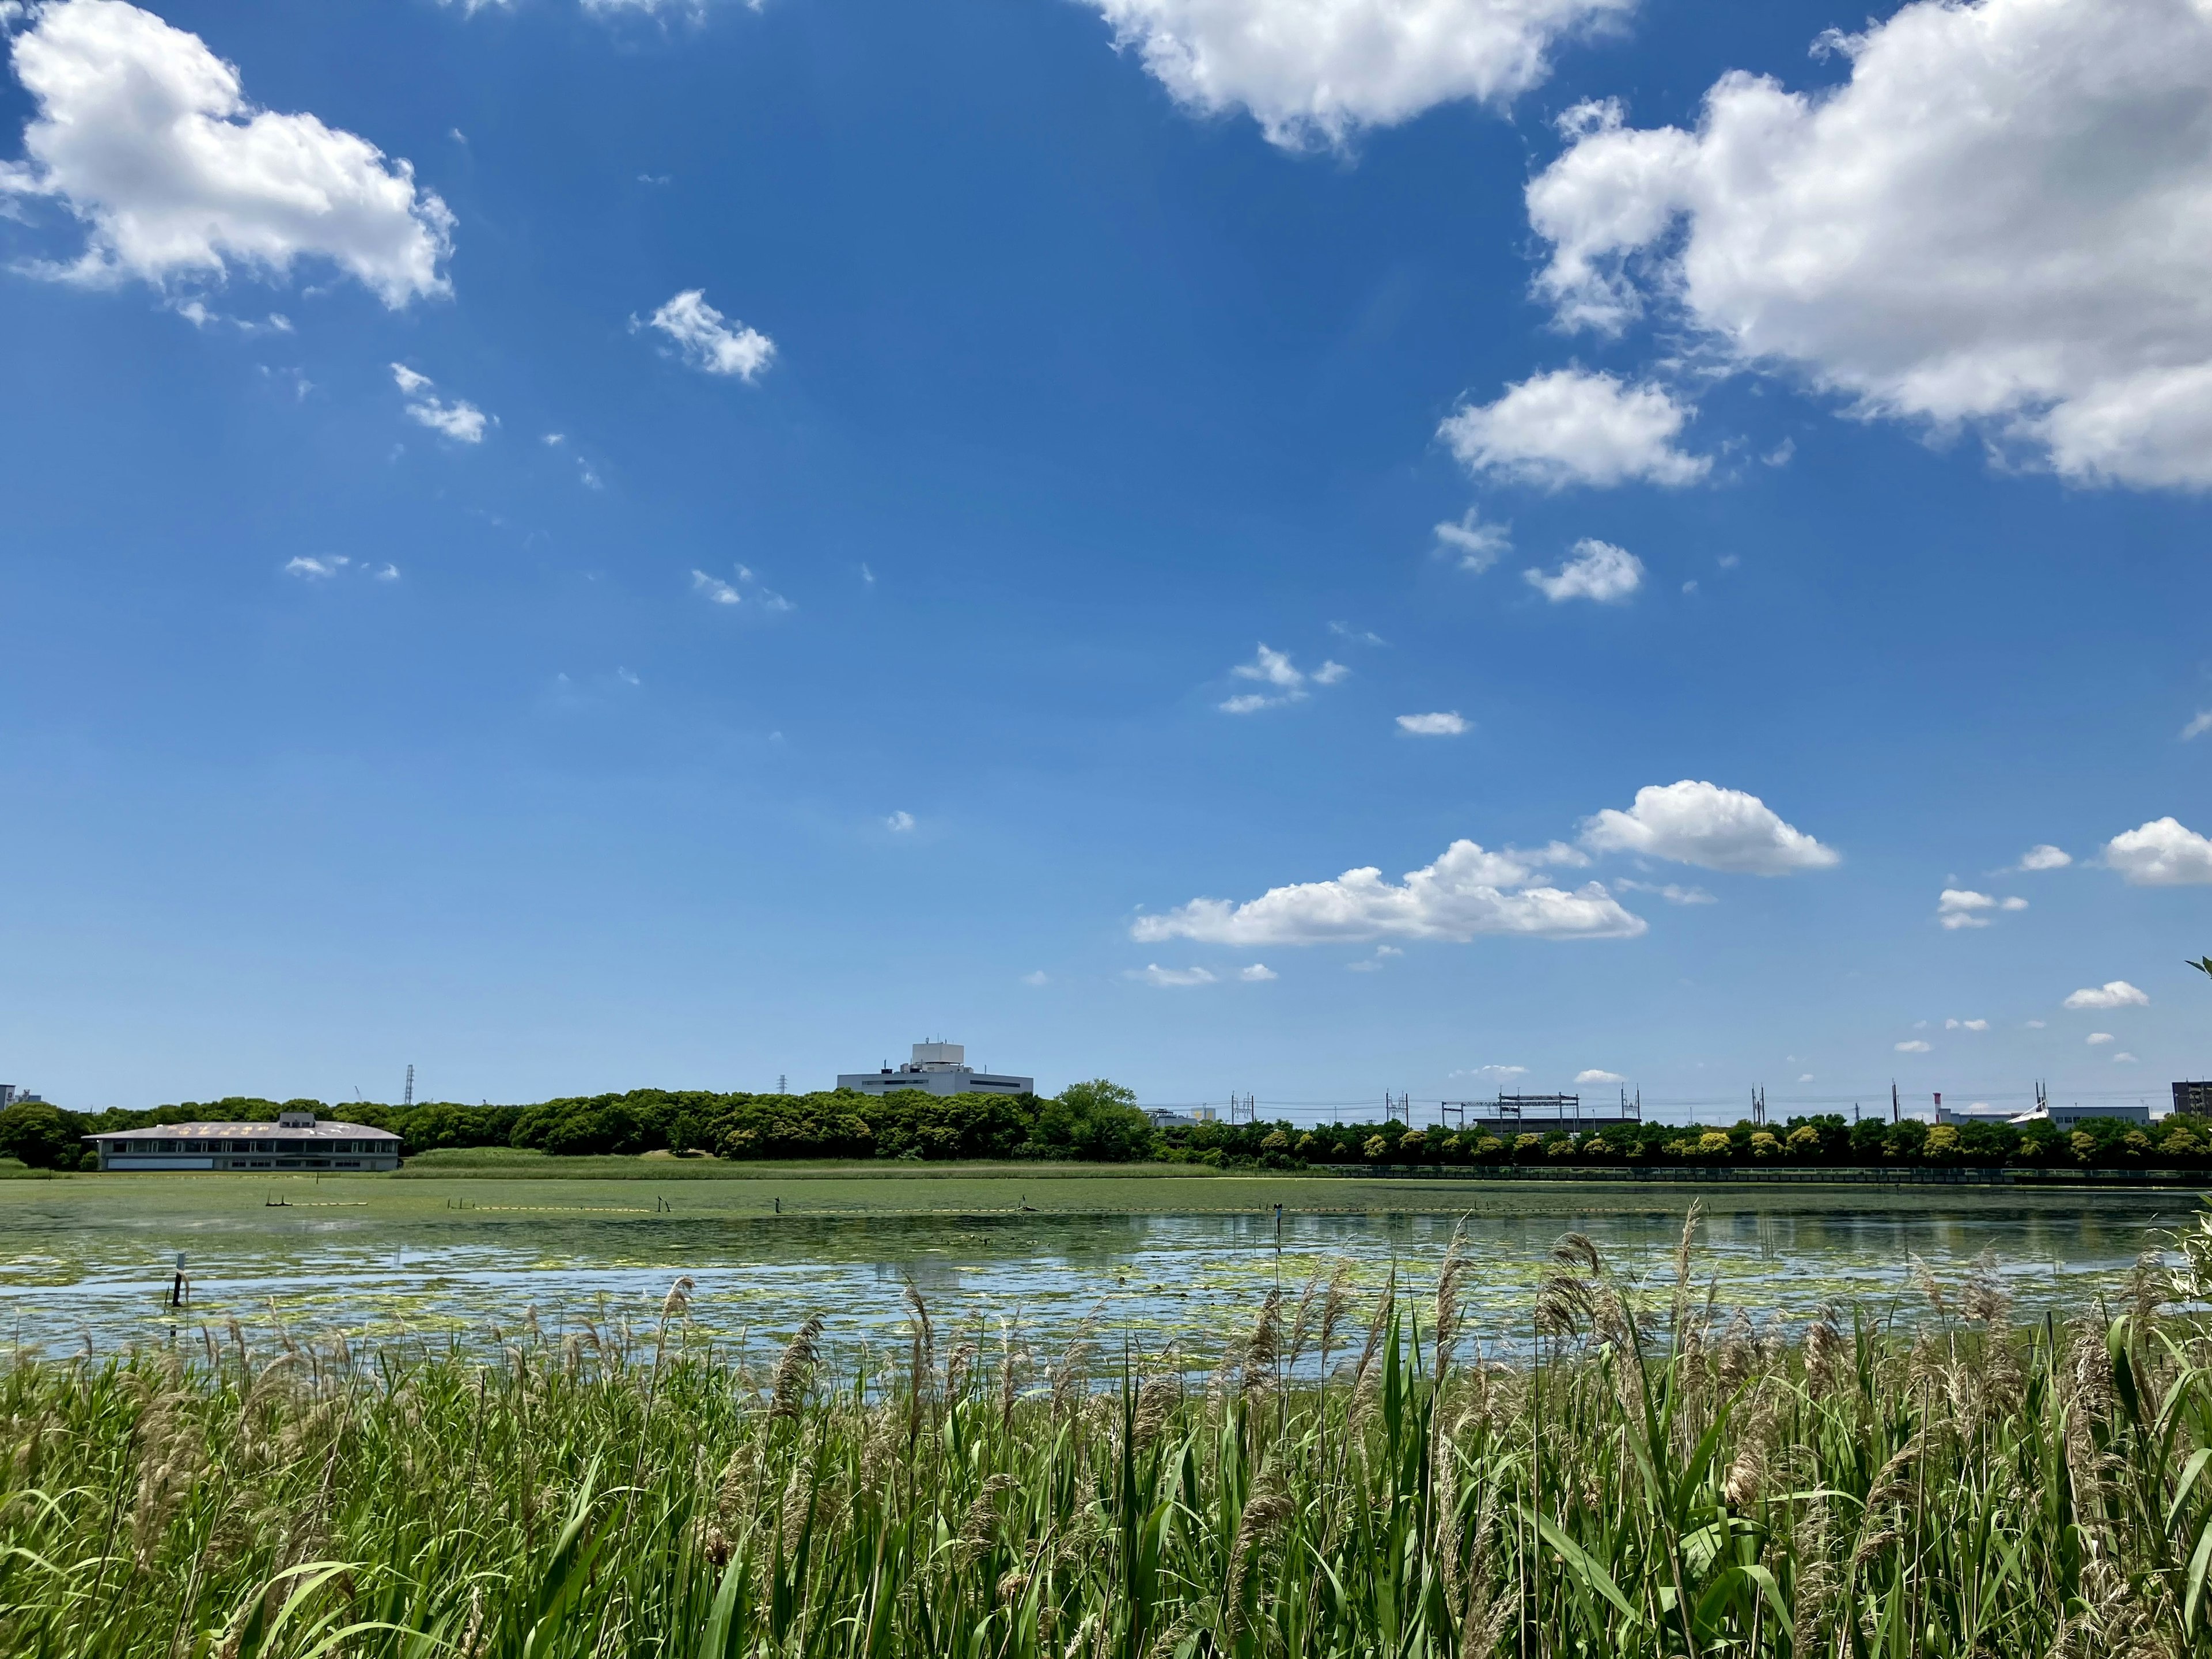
[1350, 1476]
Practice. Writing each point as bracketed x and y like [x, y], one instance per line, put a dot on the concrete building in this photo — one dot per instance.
[297, 1141]
[2072, 1117]
[2193, 1099]
[937, 1068]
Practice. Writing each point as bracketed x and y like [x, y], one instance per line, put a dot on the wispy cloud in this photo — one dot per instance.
[709, 342]
[1286, 681]
[459, 420]
[1914, 1046]
[1447, 724]
[1169, 978]
[1471, 544]
[899, 822]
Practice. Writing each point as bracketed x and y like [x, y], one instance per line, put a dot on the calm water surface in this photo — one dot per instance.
[89, 1263]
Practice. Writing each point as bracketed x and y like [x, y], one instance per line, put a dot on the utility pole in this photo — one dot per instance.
[1893, 1100]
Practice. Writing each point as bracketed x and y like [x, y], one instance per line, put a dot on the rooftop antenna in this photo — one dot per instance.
[408, 1099]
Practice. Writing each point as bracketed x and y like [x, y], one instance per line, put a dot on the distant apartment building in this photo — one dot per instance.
[296, 1140]
[2193, 1099]
[937, 1068]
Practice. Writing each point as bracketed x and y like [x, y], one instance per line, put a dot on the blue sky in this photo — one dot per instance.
[586, 546]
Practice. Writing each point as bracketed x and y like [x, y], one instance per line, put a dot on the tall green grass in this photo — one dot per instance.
[1627, 1475]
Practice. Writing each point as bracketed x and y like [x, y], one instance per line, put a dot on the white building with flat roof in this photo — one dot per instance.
[937, 1068]
[297, 1141]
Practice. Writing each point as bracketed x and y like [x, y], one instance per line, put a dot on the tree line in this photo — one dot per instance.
[1098, 1121]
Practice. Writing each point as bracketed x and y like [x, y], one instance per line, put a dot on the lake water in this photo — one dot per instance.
[86, 1263]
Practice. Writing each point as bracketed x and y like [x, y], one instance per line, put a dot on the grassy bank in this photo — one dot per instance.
[1651, 1484]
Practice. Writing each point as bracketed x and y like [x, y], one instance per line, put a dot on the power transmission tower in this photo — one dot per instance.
[407, 1098]
[1243, 1111]
[1400, 1107]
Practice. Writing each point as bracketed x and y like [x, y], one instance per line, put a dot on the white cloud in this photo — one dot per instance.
[1804, 1077]
[1257, 974]
[388, 573]
[2042, 856]
[1365, 965]
[1466, 892]
[2095, 1038]
[1448, 724]
[1153, 974]
[1573, 426]
[314, 569]
[899, 822]
[148, 138]
[717, 590]
[1717, 829]
[1357, 636]
[1039, 977]
[1595, 1076]
[461, 420]
[2004, 217]
[1598, 570]
[1492, 1073]
[1913, 1046]
[1314, 73]
[1669, 891]
[2161, 853]
[1965, 1025]
[1478, 545]
[1960, 907]
[2124, 1058]
[2036, 1025]
[708, 341]
[1286, 682]
[2012, 902]
[2112, 994]
[2199, 724]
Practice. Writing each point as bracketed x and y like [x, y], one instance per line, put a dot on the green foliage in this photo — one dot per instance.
[1097, 1120]
[39, 1135]
[1646, 1483]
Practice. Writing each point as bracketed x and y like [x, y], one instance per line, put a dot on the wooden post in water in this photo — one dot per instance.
[177, 1284]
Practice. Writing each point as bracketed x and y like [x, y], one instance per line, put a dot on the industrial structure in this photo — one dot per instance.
[937, 1068]
[296, 1140]
[1537, 1115]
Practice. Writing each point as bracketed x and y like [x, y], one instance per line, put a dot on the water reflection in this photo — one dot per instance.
[70, 1279]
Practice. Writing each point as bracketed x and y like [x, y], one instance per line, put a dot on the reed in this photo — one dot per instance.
[1627, 1475]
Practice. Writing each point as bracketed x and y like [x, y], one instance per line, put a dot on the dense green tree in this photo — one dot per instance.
[40, 1136]
[1098, 1120]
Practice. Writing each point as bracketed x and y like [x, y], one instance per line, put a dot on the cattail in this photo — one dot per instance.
[795, 1372]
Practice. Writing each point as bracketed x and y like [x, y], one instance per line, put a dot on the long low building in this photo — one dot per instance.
[296, 1140]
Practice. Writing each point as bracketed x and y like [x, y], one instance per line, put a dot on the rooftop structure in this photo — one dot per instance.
[937, 1068]
[2068, 1117]
[297, 1141]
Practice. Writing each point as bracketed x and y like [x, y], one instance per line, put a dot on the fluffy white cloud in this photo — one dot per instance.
[1446, 724]
[1960, 907]
[314, 569]
[1595, 1076]
[2042, 856]
[459, 420]
[2004, 217]
[1492, 1073]
[708, 340]
[1466, 892]
[2124, 1058]
[1598, 570]
[716, 590]
[1312, 72]
[1286, 681]
[1573, 426]
[1153, 974]
[2112, 994]
[1913, 1046]
[1965, 1025]
[1701, 824]
[1258, 973]
[2161, 853]
[1477, 545]
[148, 138]
[899, 822]
[2095, 1038]
[2199, 724]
